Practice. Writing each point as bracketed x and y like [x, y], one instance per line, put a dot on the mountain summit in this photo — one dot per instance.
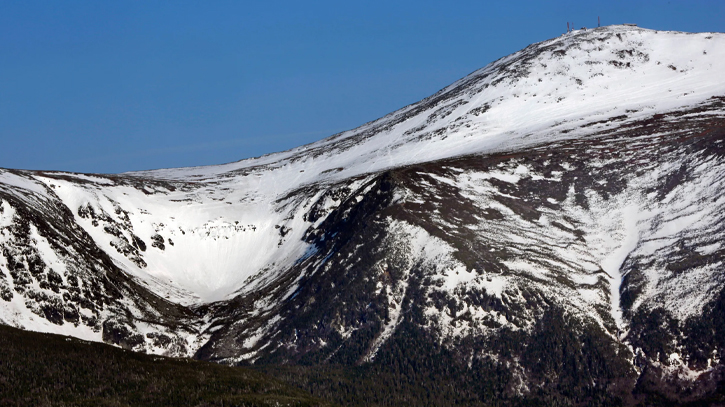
[547, 228]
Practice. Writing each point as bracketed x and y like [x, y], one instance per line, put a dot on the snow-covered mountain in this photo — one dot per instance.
[566, 199]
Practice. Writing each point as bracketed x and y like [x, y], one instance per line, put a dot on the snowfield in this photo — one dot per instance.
[563, 88]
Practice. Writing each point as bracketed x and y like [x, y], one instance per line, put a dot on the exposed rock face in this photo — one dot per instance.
[55, 278]
[554, 221]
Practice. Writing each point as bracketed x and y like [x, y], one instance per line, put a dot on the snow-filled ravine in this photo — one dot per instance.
[224, 227]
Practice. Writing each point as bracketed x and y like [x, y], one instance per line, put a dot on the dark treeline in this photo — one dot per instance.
[51, 370]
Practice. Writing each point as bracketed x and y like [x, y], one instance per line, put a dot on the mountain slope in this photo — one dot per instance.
[553, 221]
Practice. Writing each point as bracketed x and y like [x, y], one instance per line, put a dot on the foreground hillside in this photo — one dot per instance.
[51, 370]
[547, 230]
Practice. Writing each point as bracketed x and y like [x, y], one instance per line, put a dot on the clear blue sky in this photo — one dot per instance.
[112, 86]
